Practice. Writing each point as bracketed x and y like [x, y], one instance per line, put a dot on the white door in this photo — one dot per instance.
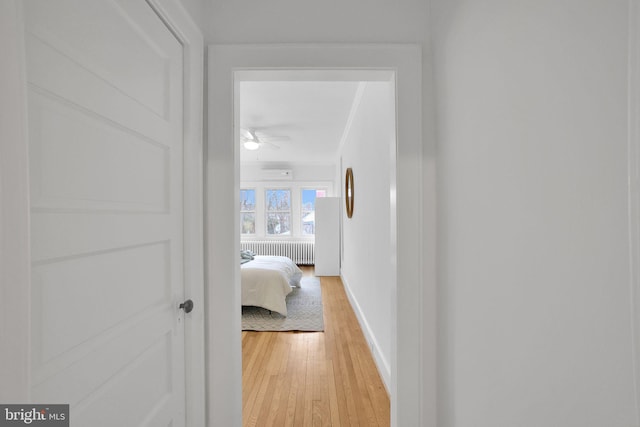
[105, 131]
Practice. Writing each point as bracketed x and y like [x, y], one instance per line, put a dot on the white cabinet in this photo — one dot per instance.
[327, 236]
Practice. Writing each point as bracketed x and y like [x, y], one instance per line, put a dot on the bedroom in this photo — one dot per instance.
[317, 124]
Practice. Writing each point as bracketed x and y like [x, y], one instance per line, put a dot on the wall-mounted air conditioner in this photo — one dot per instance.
[276, 174]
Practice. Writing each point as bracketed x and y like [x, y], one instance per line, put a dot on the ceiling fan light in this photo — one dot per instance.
[251, 145]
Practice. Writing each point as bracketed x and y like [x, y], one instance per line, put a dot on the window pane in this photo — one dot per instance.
[309, 210]
[278, 200]
[309, 223]
[247, 200]
[247, 211]
[308, 200]
[279, 223]
[248, 223]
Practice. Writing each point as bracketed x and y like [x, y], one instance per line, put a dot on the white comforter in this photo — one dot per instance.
[267, 280]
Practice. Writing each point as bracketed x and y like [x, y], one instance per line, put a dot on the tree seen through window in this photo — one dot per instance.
[247, 211]
[278, 211]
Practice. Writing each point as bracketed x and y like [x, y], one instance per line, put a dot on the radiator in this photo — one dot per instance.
[301, 252]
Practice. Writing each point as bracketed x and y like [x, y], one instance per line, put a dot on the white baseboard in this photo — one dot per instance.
[381, 362]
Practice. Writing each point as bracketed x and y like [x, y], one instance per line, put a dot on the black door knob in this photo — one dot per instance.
[187, 306]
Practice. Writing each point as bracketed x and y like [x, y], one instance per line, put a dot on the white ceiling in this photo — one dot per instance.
[312, 115]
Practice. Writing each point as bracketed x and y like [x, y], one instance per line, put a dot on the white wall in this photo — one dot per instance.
[535, 325]
[197, 11]
[331, 21]
[366, 260]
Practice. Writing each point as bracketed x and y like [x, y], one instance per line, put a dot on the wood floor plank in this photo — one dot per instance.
[334, 407]
[314, 378]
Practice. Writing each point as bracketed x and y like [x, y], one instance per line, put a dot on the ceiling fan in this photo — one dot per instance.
[252, 139]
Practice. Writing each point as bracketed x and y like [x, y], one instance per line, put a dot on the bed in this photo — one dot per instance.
[267, 280]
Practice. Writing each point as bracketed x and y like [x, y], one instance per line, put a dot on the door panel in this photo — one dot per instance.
[105, 130]
[101, 37]
[84, 179]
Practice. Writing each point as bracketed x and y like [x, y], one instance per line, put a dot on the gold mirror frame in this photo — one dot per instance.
[348, 192]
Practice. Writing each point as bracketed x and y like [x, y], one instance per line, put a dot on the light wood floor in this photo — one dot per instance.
[313, 378]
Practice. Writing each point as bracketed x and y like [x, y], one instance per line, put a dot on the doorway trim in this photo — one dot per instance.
[15, 262]
[633, 166]
[224, 359]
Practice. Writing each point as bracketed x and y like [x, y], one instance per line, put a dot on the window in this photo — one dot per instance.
[278, 210]
[247, 211]
[309, 210]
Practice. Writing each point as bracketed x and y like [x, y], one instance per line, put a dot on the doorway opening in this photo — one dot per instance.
[407, 328]
[298, 131]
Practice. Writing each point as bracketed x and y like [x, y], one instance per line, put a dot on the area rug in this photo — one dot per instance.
[304, 311]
